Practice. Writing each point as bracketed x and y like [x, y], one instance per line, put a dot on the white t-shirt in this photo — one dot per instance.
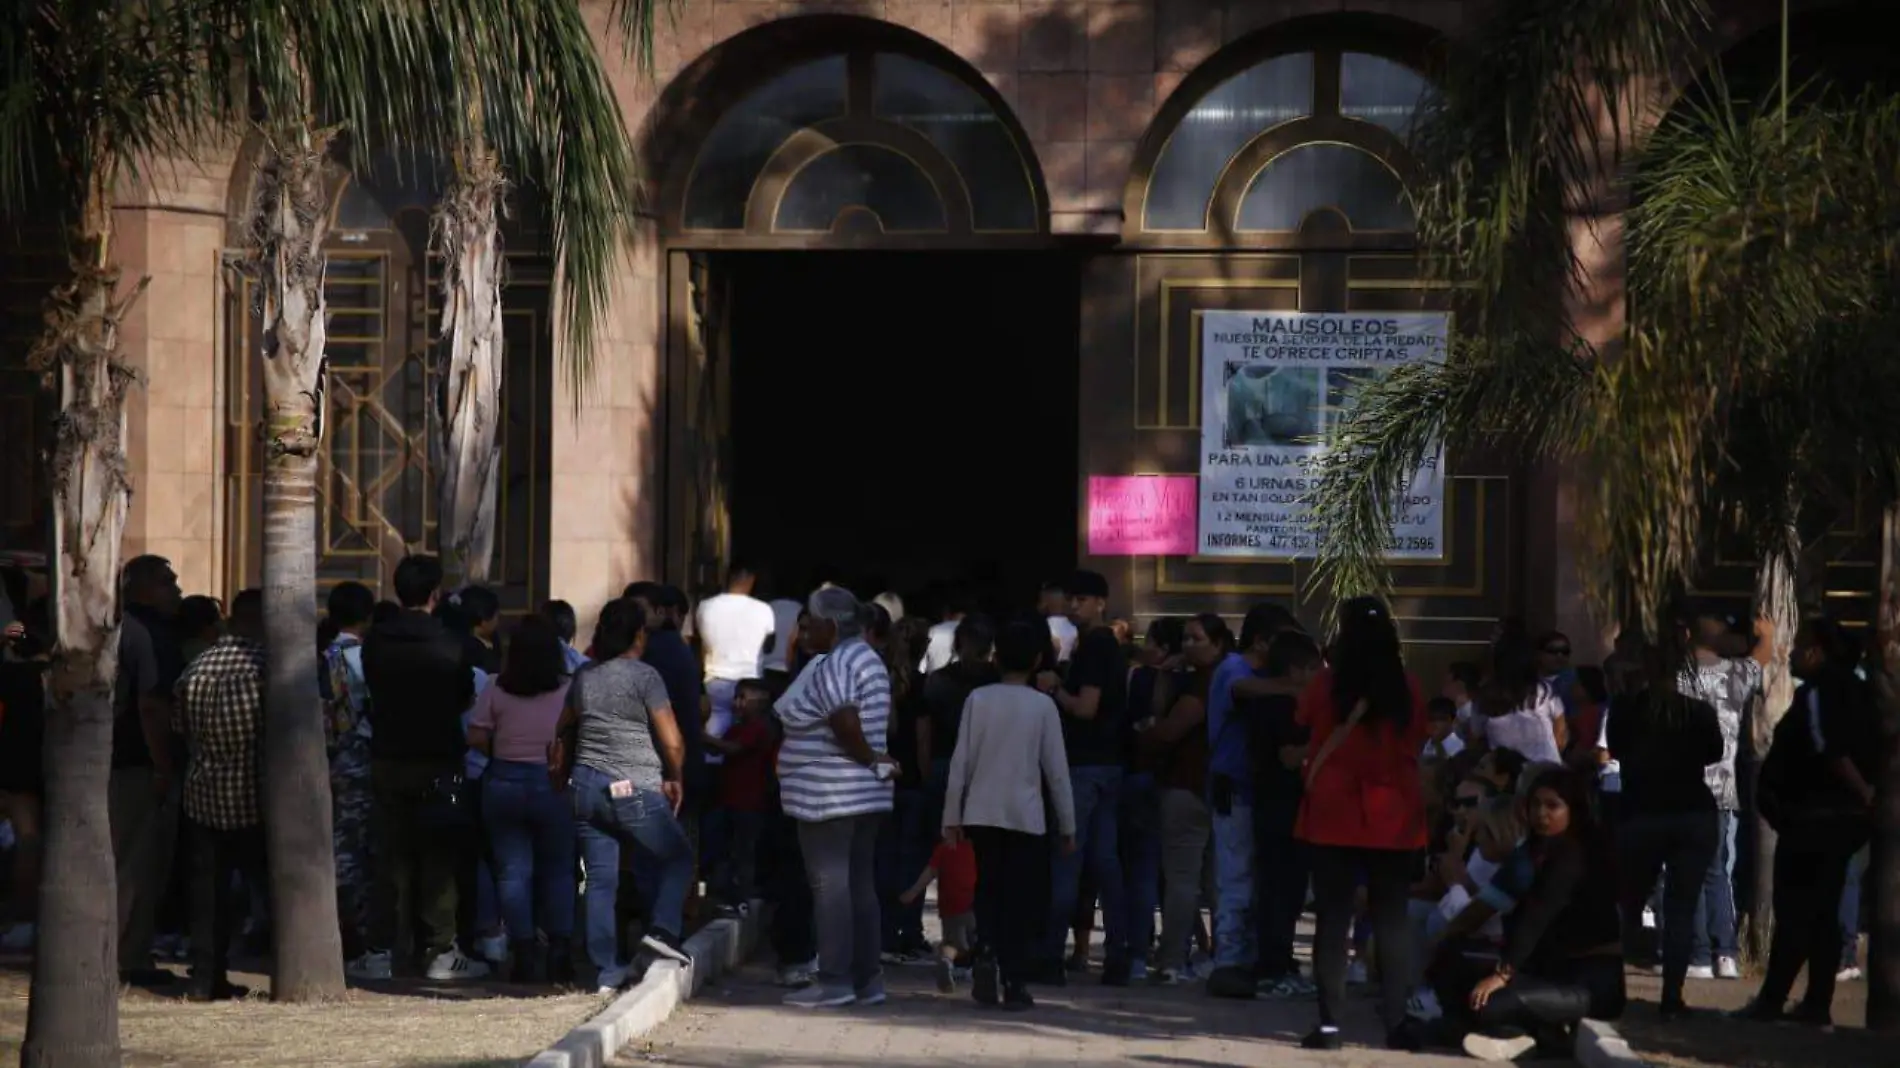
[733, 630]
[941, 648]
[1531, 730]
[1064, 632]
[784, 633]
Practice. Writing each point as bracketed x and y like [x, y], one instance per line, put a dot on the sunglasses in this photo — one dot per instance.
[1558, 650]
[1465, 802]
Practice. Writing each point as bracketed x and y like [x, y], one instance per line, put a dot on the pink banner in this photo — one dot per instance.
[1142, 515]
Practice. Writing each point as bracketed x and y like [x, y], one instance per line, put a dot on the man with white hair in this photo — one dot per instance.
[835, 780]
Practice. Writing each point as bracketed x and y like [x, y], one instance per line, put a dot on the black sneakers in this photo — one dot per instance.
[1322, 1038]
[666, 946]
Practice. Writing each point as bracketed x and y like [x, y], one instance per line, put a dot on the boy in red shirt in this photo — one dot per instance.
[954, 869]
[745, 791]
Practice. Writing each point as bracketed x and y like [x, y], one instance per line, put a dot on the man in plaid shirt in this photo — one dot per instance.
[220, 710]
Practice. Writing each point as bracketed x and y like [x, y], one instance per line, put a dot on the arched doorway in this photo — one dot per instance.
[1276, 179]
[376, 483]
[859, 268]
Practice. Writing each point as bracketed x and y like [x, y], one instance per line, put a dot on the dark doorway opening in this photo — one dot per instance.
[905, 421]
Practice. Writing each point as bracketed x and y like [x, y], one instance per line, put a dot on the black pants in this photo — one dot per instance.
[794, 940]
[1012, 896]
[1810, 873]
[1388, 875]
[1679, 846]
[419, 856]
[1545, 1002]
[216, 856]
[1281, 866]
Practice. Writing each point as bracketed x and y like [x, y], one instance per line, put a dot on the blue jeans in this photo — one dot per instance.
[1715, 934]
[1235, 942]
[1141, 859]
[1097, 792]
[900, 860]
[530, 828]
[1850, 908]
[606, 825]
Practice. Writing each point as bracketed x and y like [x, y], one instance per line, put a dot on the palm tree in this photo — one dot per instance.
[94, 89]
[521, 76]
[1749, 393]
[467, 232]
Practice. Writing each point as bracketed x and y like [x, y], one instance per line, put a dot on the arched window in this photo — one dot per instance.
[1315, 177]
[1265, 147]
[878, 140]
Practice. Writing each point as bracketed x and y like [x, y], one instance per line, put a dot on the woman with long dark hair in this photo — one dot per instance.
[1562, 958]
[1816, 790]
[528, 823]
[1363, 812]
[1176, 745]
[1517, 709]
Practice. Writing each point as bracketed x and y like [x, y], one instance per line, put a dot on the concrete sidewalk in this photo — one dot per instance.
[738, 1022]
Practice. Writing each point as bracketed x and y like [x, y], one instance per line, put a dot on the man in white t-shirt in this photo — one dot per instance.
[941, 647]
[1055, 608]
[735, 629]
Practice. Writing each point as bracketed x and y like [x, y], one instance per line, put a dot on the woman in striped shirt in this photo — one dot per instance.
[835, 780]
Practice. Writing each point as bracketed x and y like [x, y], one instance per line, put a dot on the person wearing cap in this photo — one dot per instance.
[835, 781]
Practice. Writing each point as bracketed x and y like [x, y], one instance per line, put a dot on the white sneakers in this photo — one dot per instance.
[454, 966]
[1486, 1048]
[372, 965]
[1701, 971]
[1727, 968]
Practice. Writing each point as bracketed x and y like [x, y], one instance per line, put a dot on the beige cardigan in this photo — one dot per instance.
[1010, 744]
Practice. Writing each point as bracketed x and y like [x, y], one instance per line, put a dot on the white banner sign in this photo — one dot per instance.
[1273, 387]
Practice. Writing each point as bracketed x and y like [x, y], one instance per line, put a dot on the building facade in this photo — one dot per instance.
[1185, 156]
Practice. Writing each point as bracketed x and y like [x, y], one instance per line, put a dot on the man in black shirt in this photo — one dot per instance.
[1093, 700]
[420, 682]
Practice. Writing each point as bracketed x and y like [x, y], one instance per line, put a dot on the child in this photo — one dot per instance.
[953, 866]
[1442, 714]
[745, 783]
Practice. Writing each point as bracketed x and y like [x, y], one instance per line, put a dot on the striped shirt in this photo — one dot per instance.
[817, 780]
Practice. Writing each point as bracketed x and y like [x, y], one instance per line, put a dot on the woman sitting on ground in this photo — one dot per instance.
[1562, 959]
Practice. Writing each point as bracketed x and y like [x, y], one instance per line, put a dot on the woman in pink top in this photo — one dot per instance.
[529, 824]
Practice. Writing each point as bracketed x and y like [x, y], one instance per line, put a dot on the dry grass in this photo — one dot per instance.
[421, 1027]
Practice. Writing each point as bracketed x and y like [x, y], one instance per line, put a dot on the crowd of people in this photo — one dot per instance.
[1489, 849]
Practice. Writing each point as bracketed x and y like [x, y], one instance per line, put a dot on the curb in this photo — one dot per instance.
[1600, 1046]
[719, 947]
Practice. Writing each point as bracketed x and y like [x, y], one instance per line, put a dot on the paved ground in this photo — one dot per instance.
[740, 1024]
[1708, 1040]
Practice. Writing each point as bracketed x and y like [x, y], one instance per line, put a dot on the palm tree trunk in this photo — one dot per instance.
[467, 229]
[1883, 951]
[289, 217]
[1776, 599]
[73, 1017]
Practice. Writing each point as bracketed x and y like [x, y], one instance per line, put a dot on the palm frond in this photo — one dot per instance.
[1486, 394]
[1501, 145]
[522, 75]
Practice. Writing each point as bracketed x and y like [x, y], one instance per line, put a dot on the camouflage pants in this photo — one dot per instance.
[350, 815]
